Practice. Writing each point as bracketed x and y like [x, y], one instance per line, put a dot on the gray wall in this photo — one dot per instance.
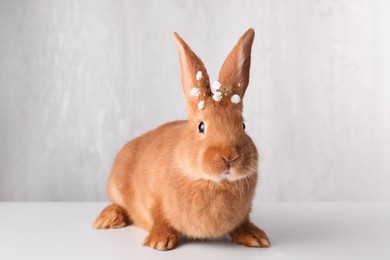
[80, 78]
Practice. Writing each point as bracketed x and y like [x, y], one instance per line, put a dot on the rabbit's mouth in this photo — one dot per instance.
[230, 175]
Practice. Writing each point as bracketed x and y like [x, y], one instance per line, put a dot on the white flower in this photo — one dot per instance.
[201, 104]
[235, 99]
[239, 84]
[216, 86]
[199, 75]
[217, 96]
[195, 92]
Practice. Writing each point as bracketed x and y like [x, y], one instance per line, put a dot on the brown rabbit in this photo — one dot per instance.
[193, 178]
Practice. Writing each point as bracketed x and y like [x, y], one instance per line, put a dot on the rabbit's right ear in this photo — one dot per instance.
[190, 65]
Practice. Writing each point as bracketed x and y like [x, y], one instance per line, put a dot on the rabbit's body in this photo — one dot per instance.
[193, 178]
[139, 170]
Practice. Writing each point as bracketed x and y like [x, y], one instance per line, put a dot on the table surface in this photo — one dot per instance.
[297, 231]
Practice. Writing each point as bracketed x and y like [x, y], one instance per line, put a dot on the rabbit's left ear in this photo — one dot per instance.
[234, 73]
[193, 73]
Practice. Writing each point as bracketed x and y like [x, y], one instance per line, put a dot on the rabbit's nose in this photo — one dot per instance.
[229, 160]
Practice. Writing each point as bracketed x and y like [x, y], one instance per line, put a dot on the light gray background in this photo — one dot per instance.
[80, 78]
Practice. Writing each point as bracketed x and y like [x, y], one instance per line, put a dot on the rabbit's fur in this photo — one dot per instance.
[176, 181]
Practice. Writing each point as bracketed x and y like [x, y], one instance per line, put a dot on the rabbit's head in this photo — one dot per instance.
[217, 146]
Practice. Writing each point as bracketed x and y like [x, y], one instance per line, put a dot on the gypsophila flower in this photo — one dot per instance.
[216, 86]
[217, 96]
[199, 75]
[195, 92]
[235, 99]
[201, 104]
[239, 84]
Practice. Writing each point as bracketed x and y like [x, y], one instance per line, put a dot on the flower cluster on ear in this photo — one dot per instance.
[218, 91]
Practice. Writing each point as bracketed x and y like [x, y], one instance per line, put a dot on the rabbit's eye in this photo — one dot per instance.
[243, 126]
[201, 127]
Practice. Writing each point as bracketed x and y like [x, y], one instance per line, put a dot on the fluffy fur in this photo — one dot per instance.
[174, 181]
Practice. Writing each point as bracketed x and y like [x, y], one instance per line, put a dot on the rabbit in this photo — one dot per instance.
[193, 178]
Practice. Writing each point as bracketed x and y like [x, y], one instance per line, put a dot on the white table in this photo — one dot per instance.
[297, 231]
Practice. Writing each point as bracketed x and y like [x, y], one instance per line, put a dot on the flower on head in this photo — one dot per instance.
[239, 84]
[217, 96]
[201, 104]
[195, 92]
[235, 99]
[199, 75]
[216, 86]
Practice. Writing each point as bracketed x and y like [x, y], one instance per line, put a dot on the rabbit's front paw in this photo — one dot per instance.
[162, 240]
[250, 235]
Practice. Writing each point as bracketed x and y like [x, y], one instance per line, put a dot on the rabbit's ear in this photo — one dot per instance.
[234, 73]
[190, 65]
